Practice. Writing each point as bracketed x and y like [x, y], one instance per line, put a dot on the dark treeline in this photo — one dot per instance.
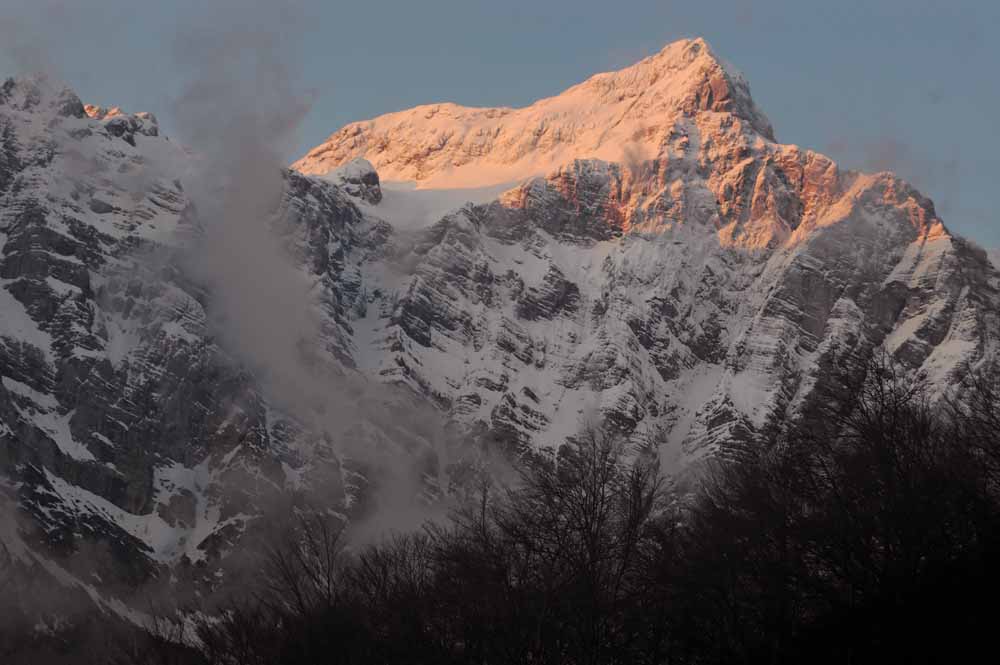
[868, 532]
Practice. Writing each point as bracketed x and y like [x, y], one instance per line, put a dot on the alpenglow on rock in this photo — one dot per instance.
[638, 250]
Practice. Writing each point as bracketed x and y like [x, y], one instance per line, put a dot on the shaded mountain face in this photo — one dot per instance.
[656, 261]
[130, 440]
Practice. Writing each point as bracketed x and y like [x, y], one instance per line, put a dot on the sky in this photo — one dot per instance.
[910, 86]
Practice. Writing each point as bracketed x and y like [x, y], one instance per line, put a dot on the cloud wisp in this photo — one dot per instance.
[238, 111]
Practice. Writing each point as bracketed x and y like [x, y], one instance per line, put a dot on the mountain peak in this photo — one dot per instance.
[701, 80]
[35, 92]
[615, 116]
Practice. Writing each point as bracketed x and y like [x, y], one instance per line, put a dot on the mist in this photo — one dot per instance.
[238, 112]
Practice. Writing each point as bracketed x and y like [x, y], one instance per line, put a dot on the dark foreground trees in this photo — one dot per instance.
[867, 532]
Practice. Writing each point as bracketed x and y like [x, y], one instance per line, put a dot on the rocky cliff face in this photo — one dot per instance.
[657, 261]
[130, 440]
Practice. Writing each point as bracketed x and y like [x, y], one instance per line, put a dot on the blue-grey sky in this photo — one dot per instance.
[908, 85]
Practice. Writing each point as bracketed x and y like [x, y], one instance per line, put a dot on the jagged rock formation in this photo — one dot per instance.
[658, 261]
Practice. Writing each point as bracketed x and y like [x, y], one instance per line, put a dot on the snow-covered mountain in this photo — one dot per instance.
[638, 249]
[673, 268]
